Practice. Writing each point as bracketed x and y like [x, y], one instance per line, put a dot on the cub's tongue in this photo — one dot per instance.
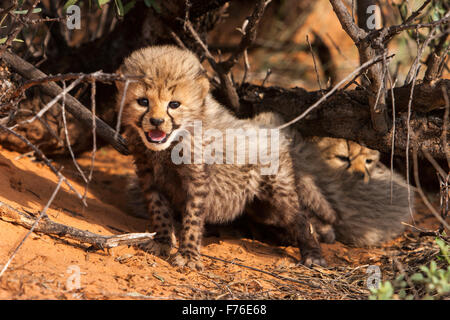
[156, 135]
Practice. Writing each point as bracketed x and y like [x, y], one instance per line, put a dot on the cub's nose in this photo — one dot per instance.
[360, 174]
[156, 121]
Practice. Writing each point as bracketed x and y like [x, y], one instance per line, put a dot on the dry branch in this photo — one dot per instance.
[223, 68]
[78, 110]
[42, 156]
[47, 226]
[350, 76]
[377, 97]
[17, 28]
[345, 115]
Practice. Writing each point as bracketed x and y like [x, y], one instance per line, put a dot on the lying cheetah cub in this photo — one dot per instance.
[348, 155]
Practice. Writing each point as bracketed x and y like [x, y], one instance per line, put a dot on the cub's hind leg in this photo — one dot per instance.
[284, 211]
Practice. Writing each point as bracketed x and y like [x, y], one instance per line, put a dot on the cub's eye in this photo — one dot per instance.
[368, 161]
[143, 102]
[343, 158]
[174, 104]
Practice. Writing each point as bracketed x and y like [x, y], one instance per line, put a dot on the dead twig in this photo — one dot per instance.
[223, 68]
[413, 73]
[18, 28]
[79, 77]
[47, 226]
[66, 133]
[263, 271]
[422, 194]
[354, 73]
[249, 35]
[94, 135]
[33, 226]
[385, 35]
[122, 103]
[392, 85]
[314, 61]
[78, 110]
[42, 156]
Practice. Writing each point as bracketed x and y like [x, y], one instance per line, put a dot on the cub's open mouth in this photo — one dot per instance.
[156, 136]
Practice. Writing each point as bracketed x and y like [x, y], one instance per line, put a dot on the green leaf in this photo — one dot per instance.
[102, 2]
[69, 3]
[433, 266]
[128, 6]
[3, 40]
[444, 249]
[119, 6]
[417, 277]
[35, 10]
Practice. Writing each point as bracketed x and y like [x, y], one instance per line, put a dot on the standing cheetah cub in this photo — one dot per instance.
[161, 116]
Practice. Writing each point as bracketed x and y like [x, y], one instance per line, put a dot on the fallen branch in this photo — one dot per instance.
[47, 226]
[345, 115]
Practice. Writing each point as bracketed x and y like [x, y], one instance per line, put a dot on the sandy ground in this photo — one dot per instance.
[45, 267]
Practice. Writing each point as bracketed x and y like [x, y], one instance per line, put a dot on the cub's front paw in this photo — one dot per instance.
[187, 260]
[310, 258]
[157, 248]
[327, 234]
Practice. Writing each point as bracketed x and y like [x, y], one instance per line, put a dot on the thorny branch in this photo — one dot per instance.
[78, 110]
[368, 43]
[18, 27]
[223, 68]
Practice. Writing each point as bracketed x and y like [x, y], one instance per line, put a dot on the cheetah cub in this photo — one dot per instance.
[161, 117]
[348, 155]
[367, 212]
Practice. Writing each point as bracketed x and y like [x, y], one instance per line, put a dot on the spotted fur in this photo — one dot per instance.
[363, 211]
[201, 193]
